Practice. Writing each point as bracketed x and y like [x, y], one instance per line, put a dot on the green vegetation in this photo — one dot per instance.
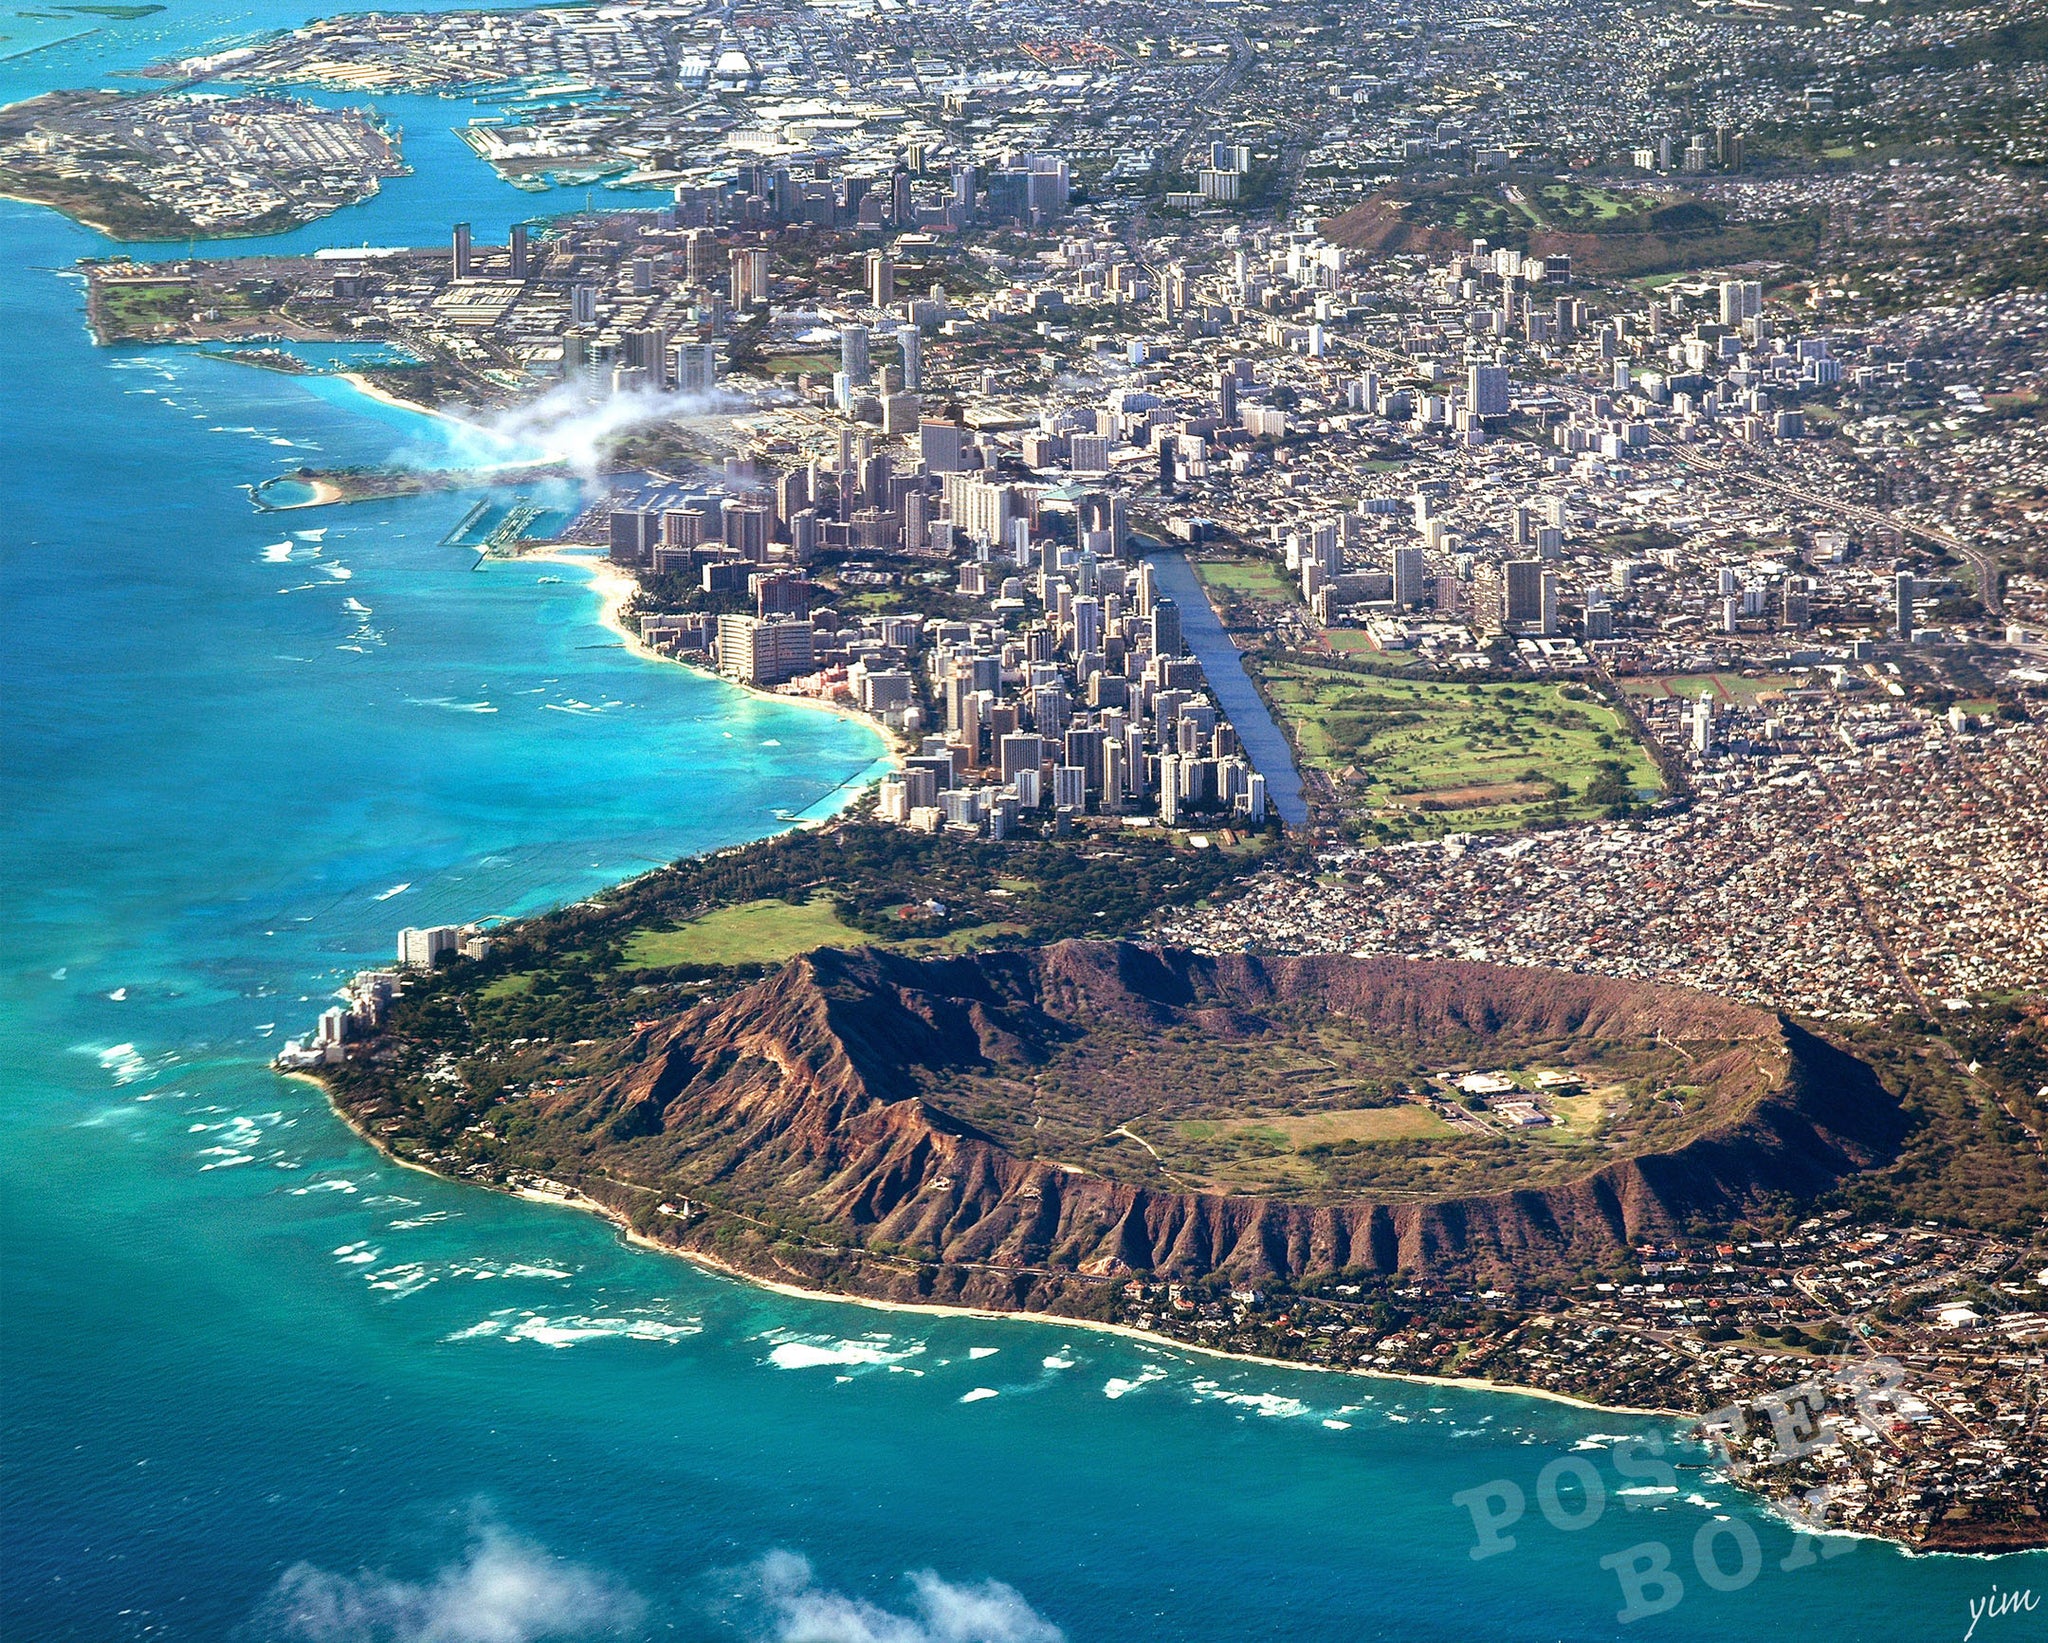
[1303, 1099]
[789, 365]
[1615, 232]
[116, 209]
[1972, 1155]
[143, 309]
[756, 932]
[1247, 579]
[137, 307]
[662, 942]
[1426, 756]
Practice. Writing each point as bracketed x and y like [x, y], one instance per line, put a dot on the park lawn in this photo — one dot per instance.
[963, 940]
[138, 305]
[516, 985]
[1451, 756]
[757, 932]
[1573, 205]
[768, 932]
[1248, 578]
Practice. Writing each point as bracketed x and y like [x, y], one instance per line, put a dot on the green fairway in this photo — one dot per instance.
[757, 932]
[1430, 756]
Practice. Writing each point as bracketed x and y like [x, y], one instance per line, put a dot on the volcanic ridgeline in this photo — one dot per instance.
[866, 1121]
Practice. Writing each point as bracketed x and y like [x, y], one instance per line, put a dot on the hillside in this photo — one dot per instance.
[1013, 1128]
[1620, 235]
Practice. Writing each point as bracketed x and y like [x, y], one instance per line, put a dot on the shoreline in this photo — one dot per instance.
[383, 396]
[325, 494]
[581, 1203]
[616, 587]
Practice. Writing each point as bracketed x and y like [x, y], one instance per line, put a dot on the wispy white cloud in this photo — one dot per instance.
[561, 426]
[798, 1610]
[503, 1590]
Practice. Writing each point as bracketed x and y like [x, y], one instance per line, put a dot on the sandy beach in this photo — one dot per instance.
[325, 494]
[616, 587]
[369, 390]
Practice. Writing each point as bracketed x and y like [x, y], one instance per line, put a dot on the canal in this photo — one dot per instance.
[1264, 744]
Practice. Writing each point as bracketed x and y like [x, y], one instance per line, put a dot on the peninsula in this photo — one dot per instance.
[868, 1064]
[184, 165]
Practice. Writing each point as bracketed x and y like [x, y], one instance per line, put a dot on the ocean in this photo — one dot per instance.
[258, 1383]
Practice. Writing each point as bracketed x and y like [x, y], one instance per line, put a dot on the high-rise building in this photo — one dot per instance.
[1486, 390]
[746, 529]
[1022, 750]
[1902, 603]
[518, 248]
[881, 279]
[749, 276]
[943, 444]
[694, 366]
[1522, 594]
[1166, 635]
[461, 250]
[853, 355]
[1740, 300]
[1408, 572]
[647, 350]
[634, 532]
[1088, 453]
[910, 343]
[758, 651]
[421, 949]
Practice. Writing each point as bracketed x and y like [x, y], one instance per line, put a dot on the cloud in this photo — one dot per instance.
[504, 1590]
[561, 426]
[799, 1611]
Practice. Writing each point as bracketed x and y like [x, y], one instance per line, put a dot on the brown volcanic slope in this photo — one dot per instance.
[794, 1107]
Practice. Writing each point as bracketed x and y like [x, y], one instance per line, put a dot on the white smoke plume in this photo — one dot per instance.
[798, 1610]
[504, 1590]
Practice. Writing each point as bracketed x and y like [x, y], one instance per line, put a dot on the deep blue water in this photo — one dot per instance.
[257, 1383]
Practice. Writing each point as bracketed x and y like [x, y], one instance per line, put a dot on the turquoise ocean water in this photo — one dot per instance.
[258, 1384]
